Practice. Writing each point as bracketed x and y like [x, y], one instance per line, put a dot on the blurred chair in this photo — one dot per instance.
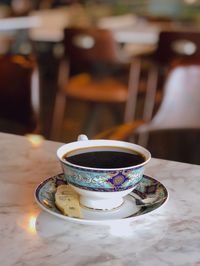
[174, 131]
[178, 44]
[96, 72]
[173, 46]
[19, 95]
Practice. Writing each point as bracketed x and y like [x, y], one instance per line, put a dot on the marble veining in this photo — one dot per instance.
[29, 236]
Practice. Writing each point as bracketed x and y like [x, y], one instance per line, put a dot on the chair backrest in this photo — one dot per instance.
[180, 107]
[88, 46]
[178, 44]
[172, 46]
[16, 77]
[174, 131]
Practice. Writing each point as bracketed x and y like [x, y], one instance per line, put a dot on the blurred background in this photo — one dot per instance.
[127, 70]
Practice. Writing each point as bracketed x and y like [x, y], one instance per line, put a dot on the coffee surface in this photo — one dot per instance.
[105, 159]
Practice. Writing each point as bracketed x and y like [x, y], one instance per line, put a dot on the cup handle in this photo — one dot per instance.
[82, 137]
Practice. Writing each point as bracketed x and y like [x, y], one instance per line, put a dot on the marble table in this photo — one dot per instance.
[29, 236]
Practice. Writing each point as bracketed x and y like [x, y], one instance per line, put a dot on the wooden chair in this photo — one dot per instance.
[19, 98]
[176, 121]
[95, 71]
[173, 46]
[177, 45]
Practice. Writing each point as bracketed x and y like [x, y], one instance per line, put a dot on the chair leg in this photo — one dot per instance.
[58, 116]
[143, 138]
[149, 103]
[150, 93]
[133, 86]
[92, 119]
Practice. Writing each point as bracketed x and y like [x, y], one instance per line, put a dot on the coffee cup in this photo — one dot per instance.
[102, 172]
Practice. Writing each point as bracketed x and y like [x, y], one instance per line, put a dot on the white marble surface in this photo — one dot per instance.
[29, 236]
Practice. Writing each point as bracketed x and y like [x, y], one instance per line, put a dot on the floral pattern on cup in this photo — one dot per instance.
[106, 181]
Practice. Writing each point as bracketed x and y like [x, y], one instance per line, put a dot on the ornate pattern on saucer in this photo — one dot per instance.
[149, 195]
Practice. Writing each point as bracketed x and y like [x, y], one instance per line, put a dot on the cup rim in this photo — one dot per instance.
[102, 142]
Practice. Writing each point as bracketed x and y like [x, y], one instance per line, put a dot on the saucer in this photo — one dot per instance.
[148, 196]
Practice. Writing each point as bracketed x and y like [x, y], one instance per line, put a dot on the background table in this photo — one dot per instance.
[48, 25]
[29, 236]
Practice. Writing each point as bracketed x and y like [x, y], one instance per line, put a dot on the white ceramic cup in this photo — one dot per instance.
[102, 188]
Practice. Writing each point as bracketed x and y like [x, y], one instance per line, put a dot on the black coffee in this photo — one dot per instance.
[105, 159]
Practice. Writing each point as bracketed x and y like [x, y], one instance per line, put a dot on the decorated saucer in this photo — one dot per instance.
[148, 196]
